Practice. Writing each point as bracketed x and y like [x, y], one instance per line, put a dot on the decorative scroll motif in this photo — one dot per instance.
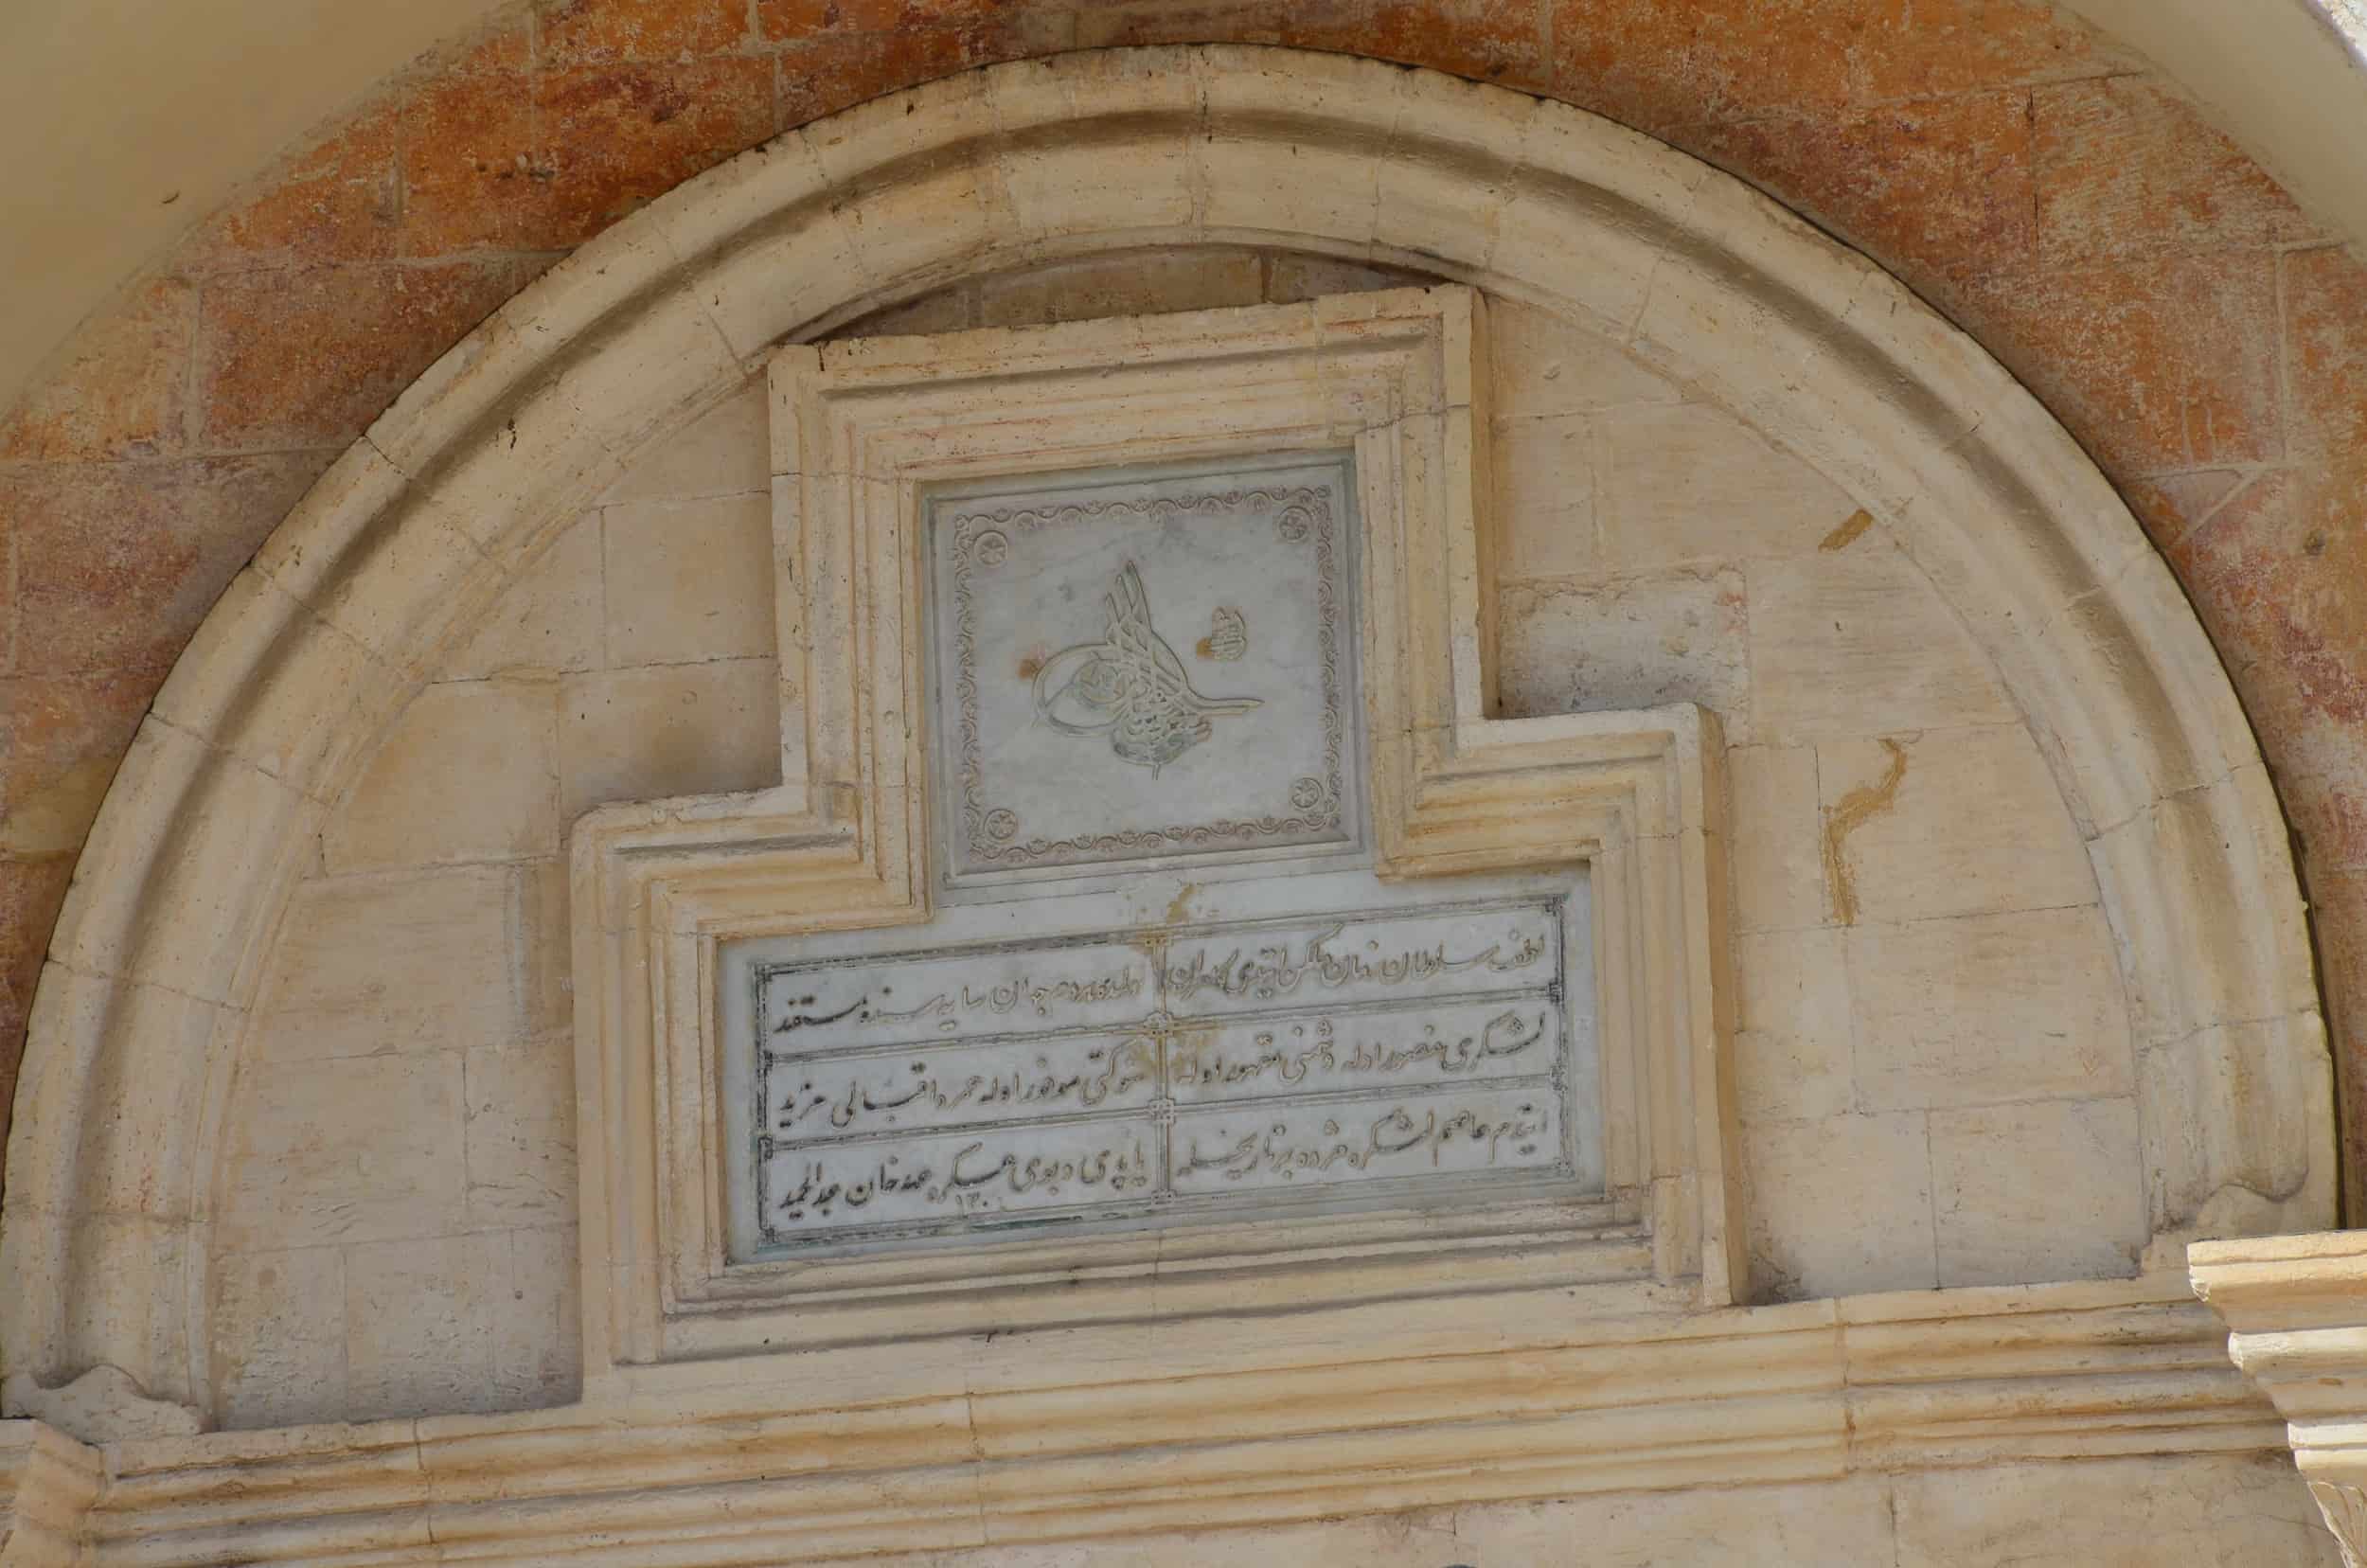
[1079, 689]
[2345, 1511]
[1228, 636]
[1130, 686]
[1375, 1057]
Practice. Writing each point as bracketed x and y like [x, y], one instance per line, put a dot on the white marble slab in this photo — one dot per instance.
[1311, 1042]
[1131, 673]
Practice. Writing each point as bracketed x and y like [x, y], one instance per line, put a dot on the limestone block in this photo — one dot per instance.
[1958, 822]
[1985, 1008]
[2198, 1512]
[392, 963]
[1791, 1041]
[1333, 196]
[1857, 643]
[689, 580]
[1839, 1205]
[351, 1148]
[1777, 864]
[520, 1137]
[549, 618]
[278, 1351]
[542, 952]
[1629, 643]
[467, 772]
[1545, 497]
[453, 1325]
[2050, 1190]
[1846, 1521]
[1545, 364]
[669, 730]
[721, 452]
[1694, 483]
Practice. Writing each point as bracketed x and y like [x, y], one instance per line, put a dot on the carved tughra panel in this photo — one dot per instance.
[1363, 1057]
[1137, 671]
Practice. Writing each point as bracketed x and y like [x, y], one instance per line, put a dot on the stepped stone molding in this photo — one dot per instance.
[47, 1483]
[2296, 1312]
[858, 429]
[725, 1474]
[321, 639]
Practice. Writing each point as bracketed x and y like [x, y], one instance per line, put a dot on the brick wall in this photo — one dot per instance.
[2193, 328]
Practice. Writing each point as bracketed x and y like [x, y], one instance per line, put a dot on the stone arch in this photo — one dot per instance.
[428, 517]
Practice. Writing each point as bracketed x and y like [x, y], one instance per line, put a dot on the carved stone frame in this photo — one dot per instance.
[859, 428]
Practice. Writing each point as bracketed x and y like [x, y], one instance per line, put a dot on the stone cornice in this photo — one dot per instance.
[2296, 1310]
[47, 1483]
[725, 1475]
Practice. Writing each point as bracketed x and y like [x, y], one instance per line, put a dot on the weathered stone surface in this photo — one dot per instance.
[2037, 1191]
[550, 619]
[677, 729]
[402, 962]
[1942, 187]
[2160, 363]
[116, 563]
[1792, 1026]
[1630, 642]
[2125, 168]
[571, 32]
[1855, 642]
[1985, 1008]
[520, 1139]
[2236, 1511]
[492, 744]
[60, 739]
[280, 1345]
[346, 1148]
[544, 161]
[1839, 1205]
[306, 356]
[720, 453]
[339, 200]
[122, 391]
[1948, 822]
[1690, 484]
[1778, 870]
[465, 1323]
[1545, 500]
[693, 579]
[1744, 1528]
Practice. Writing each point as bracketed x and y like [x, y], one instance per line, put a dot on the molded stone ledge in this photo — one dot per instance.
[47, 1483]
[720, 1474]
[2296, 1309]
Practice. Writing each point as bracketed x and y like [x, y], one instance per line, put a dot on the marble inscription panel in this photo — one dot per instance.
[1370, 1056]
[1135, 671]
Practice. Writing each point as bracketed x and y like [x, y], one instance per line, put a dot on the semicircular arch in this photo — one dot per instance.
[428, 518]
